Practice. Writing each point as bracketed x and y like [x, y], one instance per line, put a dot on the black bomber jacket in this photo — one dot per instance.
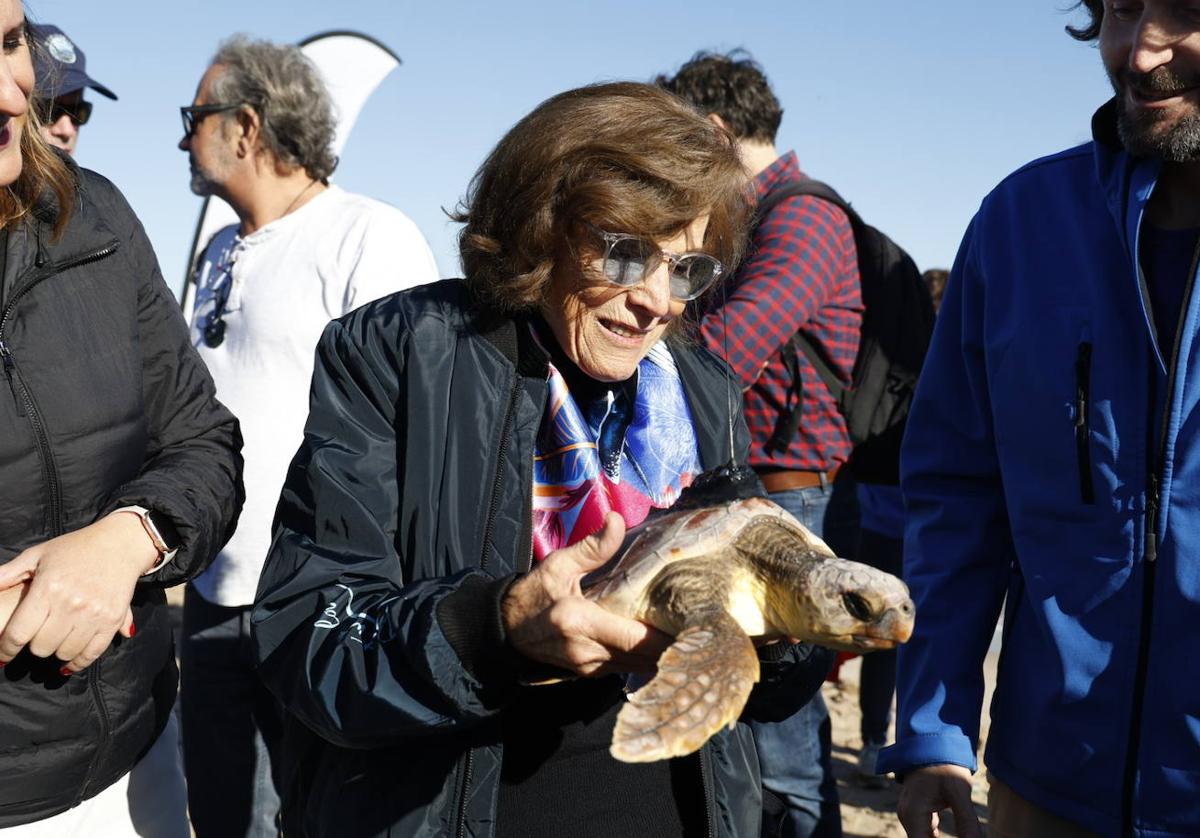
[406, 513]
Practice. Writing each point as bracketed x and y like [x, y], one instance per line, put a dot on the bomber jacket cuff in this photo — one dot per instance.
[471, 622]
[928, 749]
[774, 652]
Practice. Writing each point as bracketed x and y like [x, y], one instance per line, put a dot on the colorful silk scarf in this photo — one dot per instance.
[628, 450]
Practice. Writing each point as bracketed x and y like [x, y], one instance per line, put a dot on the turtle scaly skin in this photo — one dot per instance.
[714, 578]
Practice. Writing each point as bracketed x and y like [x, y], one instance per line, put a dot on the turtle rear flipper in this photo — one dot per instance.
[703, 681]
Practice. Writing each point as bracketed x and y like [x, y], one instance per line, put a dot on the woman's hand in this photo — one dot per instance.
[548, 619]
[79, 589]
[9, 600]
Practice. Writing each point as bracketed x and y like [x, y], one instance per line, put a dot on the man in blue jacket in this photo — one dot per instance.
[1052, 463]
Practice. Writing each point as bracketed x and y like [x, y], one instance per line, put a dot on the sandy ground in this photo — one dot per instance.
[869, 812]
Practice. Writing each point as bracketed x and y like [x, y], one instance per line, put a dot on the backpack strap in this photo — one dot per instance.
[789, 423]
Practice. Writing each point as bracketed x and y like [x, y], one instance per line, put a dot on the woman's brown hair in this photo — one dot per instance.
[43, 174]
[623, 157]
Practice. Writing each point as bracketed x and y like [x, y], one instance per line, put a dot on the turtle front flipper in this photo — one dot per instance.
[702, 684]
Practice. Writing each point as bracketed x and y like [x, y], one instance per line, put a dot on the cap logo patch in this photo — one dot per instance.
[61, 48]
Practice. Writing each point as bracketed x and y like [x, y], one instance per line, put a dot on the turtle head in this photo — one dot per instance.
[845, 605]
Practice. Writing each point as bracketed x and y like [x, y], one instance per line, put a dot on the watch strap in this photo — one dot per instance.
[163, 546]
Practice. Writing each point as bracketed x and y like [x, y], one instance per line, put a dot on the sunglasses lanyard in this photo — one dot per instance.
[729, 393]
[222, 288]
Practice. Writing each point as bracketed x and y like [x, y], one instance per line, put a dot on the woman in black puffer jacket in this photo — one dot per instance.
[121, 471]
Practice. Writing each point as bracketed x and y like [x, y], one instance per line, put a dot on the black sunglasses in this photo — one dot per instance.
[53, 111]
[192, 114]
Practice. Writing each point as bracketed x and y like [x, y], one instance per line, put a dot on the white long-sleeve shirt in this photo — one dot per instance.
[289, 279]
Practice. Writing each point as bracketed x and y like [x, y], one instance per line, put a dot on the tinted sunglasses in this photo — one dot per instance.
[79, 113]
[629, 259]
[192, 114]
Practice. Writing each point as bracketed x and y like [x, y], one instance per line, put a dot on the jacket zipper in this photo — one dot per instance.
[23, 397]
[93, 676]
[27, 407]
[1083, 426]
[1083, 375]
[706, 784]
[461, 828]
[55, 268]
[510, 413]
[1150, 557]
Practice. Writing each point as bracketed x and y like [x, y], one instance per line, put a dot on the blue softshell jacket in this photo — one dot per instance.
[1053, 455]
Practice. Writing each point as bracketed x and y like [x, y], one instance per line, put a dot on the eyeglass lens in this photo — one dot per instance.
[629, 259]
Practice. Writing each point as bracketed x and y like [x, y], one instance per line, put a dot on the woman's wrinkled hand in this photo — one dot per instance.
[548, 619]
[79, 587]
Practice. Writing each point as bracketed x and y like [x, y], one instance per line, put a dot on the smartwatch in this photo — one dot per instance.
[161, 531]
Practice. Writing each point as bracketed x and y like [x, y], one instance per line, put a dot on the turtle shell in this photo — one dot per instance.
[620, 587]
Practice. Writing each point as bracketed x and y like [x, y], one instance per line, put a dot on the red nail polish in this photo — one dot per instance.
[132, 629]
[66, 672]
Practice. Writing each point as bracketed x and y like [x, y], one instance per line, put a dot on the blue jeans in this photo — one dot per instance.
[230, 725]
[878, 679]
[795, 754]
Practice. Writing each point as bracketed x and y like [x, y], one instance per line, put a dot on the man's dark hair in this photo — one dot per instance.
[733, 87]
[1095, 10]
[935, 281]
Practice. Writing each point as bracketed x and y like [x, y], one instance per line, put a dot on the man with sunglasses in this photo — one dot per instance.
[259, 135]
[801, 275]
[60, 69]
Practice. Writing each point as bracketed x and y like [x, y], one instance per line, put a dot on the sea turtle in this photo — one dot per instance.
[715, 576]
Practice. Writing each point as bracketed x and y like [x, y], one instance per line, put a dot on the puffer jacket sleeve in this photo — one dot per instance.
[350, 647]
[192, 471]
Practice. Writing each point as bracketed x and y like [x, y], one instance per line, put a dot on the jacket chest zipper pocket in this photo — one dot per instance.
[28, 408]
[1083, 375]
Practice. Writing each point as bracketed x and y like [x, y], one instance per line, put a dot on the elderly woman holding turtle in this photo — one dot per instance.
[467, 446]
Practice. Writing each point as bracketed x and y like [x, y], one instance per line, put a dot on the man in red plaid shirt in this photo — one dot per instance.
[801, 274]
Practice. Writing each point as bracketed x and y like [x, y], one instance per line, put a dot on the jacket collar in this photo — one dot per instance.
[512, 338]
[31, 246]
[1127, 181]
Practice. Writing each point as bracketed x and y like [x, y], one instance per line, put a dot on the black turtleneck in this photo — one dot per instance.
[558, 779]
[584, 388]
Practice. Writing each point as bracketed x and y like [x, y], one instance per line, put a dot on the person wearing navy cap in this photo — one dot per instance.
[61, 75]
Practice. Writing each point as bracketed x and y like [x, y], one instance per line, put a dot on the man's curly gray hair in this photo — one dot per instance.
[283, 86]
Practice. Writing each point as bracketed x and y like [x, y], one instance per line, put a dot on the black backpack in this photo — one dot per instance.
[897, 324]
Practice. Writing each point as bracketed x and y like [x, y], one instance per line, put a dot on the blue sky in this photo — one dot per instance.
[913, 109]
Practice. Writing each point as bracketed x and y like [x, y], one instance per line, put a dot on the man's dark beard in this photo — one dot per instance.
[1142, 132]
